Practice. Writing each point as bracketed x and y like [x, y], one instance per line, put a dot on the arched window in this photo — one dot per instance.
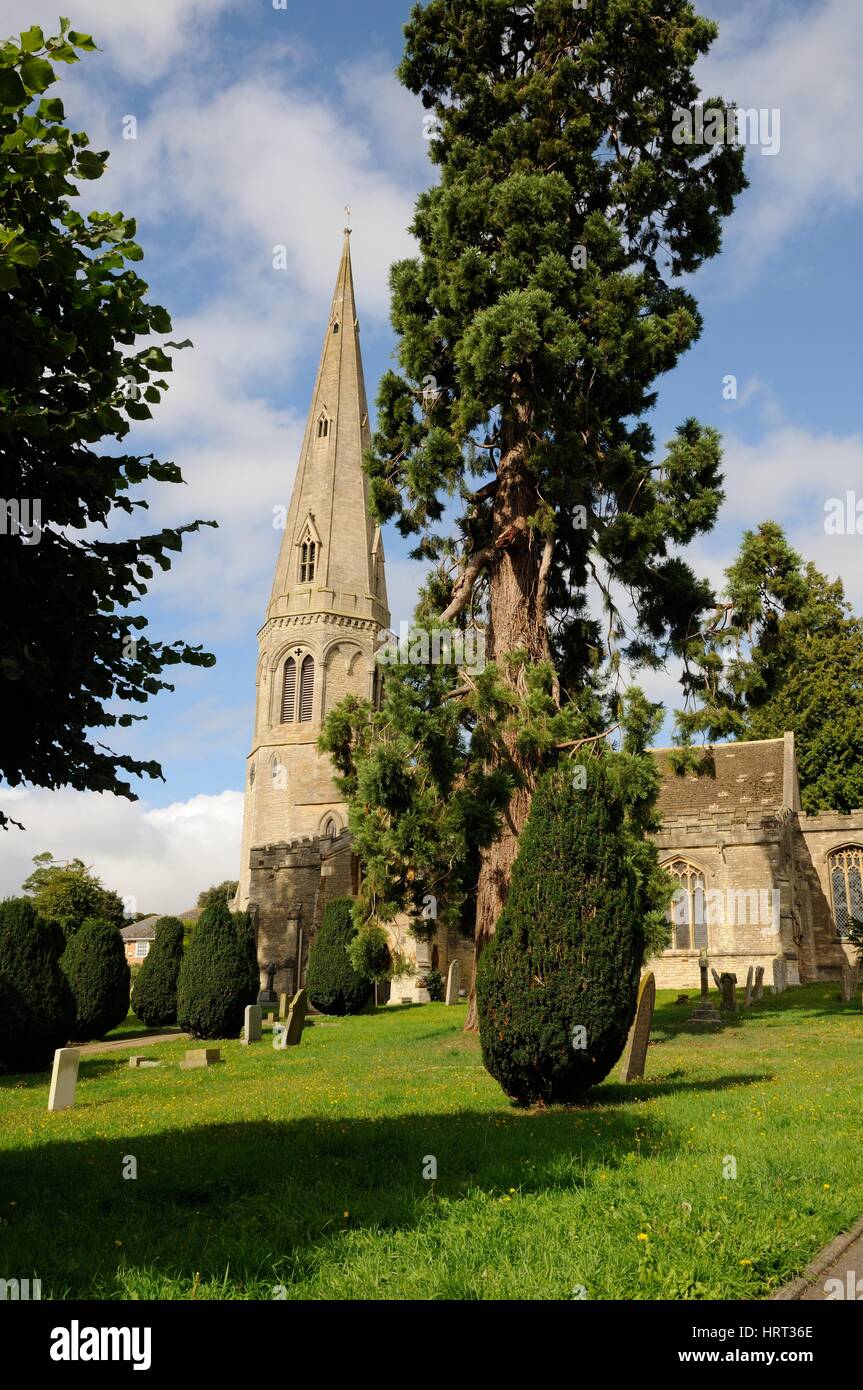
[323, 426]
[252, 775]
[308, 560]
[307, 689]
[279, 774]
[289, 691]
[846, 885]
[687, 912]
[335, 327]
[331, 828]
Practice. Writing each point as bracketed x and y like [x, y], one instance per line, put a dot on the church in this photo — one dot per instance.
[758, 880]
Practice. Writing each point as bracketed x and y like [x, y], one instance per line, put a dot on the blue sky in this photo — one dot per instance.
[255, 126]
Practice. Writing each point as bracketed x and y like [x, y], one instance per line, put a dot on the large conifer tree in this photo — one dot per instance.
[542, 306]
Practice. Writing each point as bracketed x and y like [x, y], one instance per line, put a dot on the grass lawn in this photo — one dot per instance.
[305, 1168]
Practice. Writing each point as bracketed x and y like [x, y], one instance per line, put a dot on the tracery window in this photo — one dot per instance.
[846, 885]
[687, 911]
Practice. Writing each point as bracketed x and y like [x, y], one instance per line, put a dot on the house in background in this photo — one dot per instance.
[138, 937]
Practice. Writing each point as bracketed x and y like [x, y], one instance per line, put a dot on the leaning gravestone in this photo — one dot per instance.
[453, 983]
[759, 982]
[729, 991]
[780, 975]
[296, 1019]
[252, 1024]
[749, 975]
[635, 1055]
[716, 980]
[64, 1077]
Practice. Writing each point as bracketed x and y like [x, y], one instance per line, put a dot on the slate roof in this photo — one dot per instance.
[145, 930]
[749, 777]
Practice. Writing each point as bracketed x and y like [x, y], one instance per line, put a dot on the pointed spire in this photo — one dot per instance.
[330, 496]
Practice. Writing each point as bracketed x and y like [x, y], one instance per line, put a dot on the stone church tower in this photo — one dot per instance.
[327, 611]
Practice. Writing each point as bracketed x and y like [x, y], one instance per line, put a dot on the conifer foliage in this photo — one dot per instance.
[219, 975]
[154, 998]
[95, 965]
[569, 944]
[334, 986]
[36, 1007]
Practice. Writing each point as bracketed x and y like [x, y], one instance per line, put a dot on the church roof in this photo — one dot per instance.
[760, 775]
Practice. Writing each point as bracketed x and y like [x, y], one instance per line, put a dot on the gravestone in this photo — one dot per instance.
[136, 1061]
[635, 1054]
[283, 1006]
[252, 1025]
[201, 1057]
[64, 1077]
[296, 1019]
[728, 985]
[780, 975]
[705, 1014]
[267, 996]
[271, 1018]
[453, 982]
[850, 976]
[717, 981]
[759, 982]
[749, 975]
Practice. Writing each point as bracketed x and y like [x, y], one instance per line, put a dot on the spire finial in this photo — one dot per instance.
[348, 216]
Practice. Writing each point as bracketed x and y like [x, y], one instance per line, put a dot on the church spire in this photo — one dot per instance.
[329, 507]
[327, 608]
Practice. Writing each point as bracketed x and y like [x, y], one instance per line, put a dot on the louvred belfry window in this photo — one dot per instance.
[308, 560]
[307, 689]
[289, 691]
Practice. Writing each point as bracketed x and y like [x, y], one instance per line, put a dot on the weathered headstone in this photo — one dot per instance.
[780, 975]
[716, 980]
[705, 1013]
[759, 981]
[453, 982]
[64, 1077]
[283, 1006]
[201, 1057]
[728, 985]
[252, 1024]
[635, 1055]
[296, 1019]
[750, 972]
[136, 1061]
[850, 976]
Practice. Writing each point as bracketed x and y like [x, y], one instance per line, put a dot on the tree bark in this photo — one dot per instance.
[516, 621]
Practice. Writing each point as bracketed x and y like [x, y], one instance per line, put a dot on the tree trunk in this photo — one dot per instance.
[516, 622]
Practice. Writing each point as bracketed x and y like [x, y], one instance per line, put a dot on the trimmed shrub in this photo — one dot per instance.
[369, 953]
[95, 965]
[36, 1007]
[154, 996]
[218, 975]
[334, 986]
[568, 947]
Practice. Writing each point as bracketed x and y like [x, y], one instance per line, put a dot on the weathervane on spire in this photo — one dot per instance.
[348, 215]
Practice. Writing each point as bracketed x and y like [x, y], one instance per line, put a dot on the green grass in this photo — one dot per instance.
[304, 1168]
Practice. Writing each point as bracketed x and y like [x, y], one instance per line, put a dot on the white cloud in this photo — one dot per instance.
[141, 36]
[161, 857]
[806, 62]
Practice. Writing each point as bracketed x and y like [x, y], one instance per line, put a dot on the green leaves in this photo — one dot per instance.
[73, 312]
[36, 74]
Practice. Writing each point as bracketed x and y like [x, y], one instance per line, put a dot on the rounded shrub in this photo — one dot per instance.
[566, 955]
[218, 975]
[36, 1007]
[334, 986]
[95, 965]
[154, 996]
